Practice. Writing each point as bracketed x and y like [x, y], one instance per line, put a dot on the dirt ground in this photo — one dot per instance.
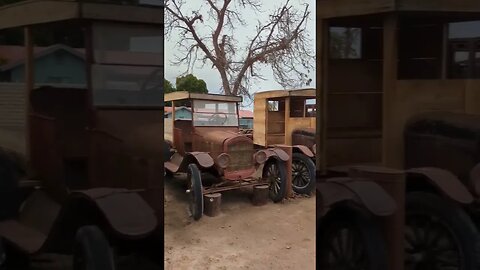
[243, 236]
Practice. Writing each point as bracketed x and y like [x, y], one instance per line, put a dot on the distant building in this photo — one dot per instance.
[246, 119]
[181, 112]
[54, 64]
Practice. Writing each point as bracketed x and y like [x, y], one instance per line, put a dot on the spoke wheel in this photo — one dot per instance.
[349, 239]
[303, 174]
[275, 175]
[195, 191]
[438, 235]
[92, 250]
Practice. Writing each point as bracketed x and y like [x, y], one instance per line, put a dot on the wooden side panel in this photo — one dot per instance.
[168, 129]
[436, 5]
[355, 76]
[12, 105]
[259, 121]
[417, 96]
[472, 96]
[295, 123]
[344, 151]
[339, 8]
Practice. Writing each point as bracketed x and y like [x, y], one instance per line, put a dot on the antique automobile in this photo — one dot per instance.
[210, 143]
[288, 117]
[87, 180]
[400, 100]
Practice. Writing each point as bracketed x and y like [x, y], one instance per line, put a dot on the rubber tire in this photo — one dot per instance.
[3, 255]
[365, 224]
[10, 198]
[195, 179]
[91, 241]
[308, 189]
[283, 176]
[455, 217]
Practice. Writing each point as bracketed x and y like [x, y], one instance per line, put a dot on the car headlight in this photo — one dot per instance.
[223, 160]
[260, 157]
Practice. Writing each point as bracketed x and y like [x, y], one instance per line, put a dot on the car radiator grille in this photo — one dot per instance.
[241, 156]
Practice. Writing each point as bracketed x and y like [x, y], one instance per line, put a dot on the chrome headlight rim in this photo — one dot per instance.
[223, 160]
[260, 157]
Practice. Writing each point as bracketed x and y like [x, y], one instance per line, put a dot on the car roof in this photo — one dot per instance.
[34, 12]
[309, 92]
[184, 95]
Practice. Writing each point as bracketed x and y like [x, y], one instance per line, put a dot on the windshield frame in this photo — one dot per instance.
[102, 69]
[236, 114]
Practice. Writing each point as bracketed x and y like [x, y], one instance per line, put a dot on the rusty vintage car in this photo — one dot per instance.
[88, 181]
[210, 142]
[288, 117]
[400, 101]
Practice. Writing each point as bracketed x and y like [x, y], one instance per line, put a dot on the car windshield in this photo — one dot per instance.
[215, 113]
[128, 65]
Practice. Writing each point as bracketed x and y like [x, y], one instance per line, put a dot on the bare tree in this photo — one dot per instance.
[281, 42]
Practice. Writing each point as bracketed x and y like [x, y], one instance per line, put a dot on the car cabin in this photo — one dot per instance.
[210, 112]
[278, 113]
[379, 63]
[83, 136]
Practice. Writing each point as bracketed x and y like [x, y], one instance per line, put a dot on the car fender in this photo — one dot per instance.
[126, 212]
[202, 159]
[304, 150]
[445, 182]
[475, 179]
[276, 152]
[363, 192]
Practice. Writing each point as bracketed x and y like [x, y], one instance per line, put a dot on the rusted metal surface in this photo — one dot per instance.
[475, 179]
[371, 195]
[304, 136]
[244, 183]
[128, 214]
[329, 193]
[394, 184]
[444, 140]
[23, 237]
[203, 159]
[304, 150]
[446, 182]
[281, 154]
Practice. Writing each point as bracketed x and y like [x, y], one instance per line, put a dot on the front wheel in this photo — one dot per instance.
[3, 255]
[303, 174]
[439, 234]
[195, 191]
[349, 239]
[275, 174]
[92, 250]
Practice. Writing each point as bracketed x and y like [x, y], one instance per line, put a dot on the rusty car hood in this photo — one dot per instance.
[218, 136]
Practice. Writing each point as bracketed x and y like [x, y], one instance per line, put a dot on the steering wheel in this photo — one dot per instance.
[217, 119]
[152, 81]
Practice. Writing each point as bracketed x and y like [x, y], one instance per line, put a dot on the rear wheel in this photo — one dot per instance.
[303, 174]
[439, 235]
[275, 174]
[195, 191]
[350, 239]
[9, 192]
[92, 250]
[3, 255]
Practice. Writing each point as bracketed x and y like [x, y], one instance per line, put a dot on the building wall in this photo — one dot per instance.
[58, 67]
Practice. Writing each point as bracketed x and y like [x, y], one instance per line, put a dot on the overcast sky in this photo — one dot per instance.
[242, 34]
